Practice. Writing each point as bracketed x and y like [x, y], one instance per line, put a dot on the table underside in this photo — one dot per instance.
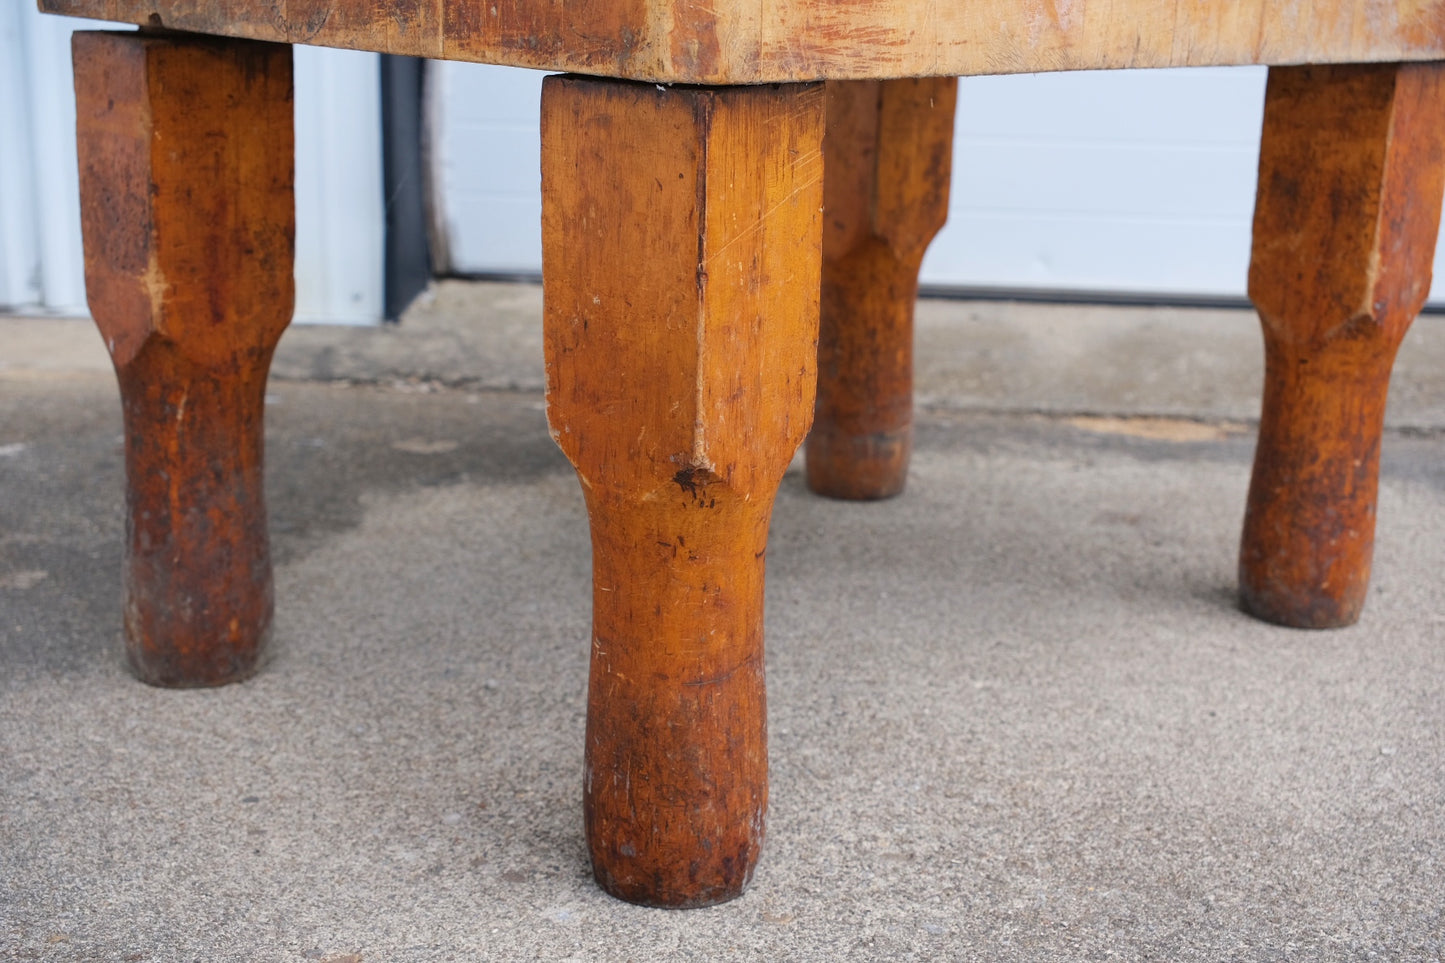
[767, 41]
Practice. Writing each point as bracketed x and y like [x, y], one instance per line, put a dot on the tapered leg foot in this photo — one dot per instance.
[185, 149]
[889, 154]
[681, 262]
[1351, 170]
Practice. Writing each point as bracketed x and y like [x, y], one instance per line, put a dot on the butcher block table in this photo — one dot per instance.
[697, 224]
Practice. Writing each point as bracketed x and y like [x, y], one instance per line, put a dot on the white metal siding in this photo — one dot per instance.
[1113, 181]
[339, 214]
[39, 200]
[1133, 182]
[486, 162]
[19, 259]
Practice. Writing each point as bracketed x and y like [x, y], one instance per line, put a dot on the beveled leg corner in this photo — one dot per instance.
[1351, 170]
[186, 160]
[681, 259]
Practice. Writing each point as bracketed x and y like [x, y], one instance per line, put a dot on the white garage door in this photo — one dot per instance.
[1123, 182]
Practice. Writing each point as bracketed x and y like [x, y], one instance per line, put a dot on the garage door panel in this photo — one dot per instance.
[1133, 183]
[503, 233]
[511, 158]
[1104, 179]
[1137, 256]
[1217, 106]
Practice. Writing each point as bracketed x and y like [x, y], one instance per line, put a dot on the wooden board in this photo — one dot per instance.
[730, 41]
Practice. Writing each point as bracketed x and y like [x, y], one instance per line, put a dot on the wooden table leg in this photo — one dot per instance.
[1350, 181]
[889, 155]
[681, 261]
[186, 165]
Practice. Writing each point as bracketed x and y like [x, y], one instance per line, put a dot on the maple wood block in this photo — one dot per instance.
[888, 156]
[1350, 180]
[681, 236]
[186, 170]
[743, 41]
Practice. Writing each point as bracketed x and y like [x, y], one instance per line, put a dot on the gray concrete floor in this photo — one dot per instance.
[1014, 713]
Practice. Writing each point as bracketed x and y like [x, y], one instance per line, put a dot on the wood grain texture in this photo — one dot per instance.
[187, 213]
[408, 27]
[733, 41]
[888, 158]
[1351, 172]
[681, 265]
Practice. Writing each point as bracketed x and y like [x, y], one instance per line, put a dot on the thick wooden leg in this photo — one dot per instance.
[681, 255]
[888, 156]
[187, 212]
[1351, 171]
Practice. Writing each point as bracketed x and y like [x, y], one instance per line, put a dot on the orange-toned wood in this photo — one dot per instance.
[186, 207]
[1351, 171]
[743, 41]
[681, 261]
[888, 156]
